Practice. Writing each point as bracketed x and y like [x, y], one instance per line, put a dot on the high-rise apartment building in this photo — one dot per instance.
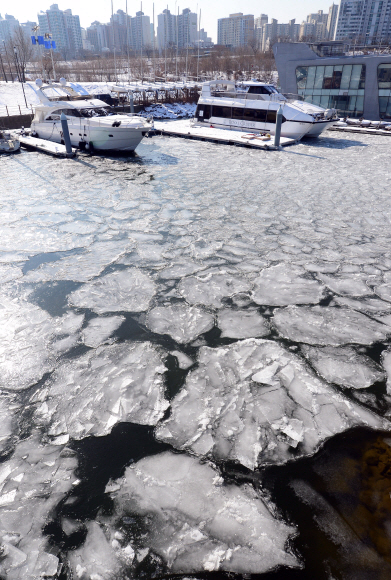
[270, 32]
[65, 28]
[7, 26]
[187, 28]
[97, 35]
[236, 30]
[367, 21]
[166, 30]
[140, 36]
[332, 21]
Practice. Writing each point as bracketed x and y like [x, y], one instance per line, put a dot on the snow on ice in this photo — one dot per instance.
[91, 394]
[285, 284]
[125, 290]
[344, 366]
[241, 323]
[209, 289]
[181, 322]
[199, 523]
[328, 326]
[254, 400]
[99, 330]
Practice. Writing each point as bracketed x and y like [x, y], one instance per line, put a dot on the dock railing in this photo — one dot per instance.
[15, 110]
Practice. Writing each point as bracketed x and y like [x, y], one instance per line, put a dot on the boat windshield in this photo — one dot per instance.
[93, 112]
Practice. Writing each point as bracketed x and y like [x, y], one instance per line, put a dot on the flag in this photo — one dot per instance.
[33, 40]
[54, 44]
[46, 43]
[40, 40]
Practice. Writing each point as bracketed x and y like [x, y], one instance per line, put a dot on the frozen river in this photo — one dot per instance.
[195, 364]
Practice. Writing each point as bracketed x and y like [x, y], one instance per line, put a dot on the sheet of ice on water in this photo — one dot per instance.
[199, 523]
[99, 330]
[183, 323]
[328, 326]
[241, 323]
[89, 395]
[81, 267]
[344, 366]
[32, 482]
[252, 401]
[285, 284]
[125, 290]
[211, 288]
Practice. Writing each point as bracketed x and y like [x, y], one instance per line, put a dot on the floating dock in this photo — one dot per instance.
[190, 130]
[361, 130]
[44, 146]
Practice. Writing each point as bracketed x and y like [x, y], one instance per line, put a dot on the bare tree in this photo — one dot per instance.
[20, 47]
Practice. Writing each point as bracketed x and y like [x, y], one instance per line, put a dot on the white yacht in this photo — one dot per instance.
[92, 123]
[253, 106]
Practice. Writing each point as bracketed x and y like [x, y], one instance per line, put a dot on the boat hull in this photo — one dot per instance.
[290, 129]
[101, 139]
[9, 146]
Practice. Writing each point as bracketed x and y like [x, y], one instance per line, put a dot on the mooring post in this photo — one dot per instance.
[131, 102]
[65, 133]
[277, 134]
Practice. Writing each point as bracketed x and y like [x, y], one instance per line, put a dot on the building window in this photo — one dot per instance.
[338, 87]
[384, 89]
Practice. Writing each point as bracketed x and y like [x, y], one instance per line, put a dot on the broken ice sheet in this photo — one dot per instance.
[89, 395]
[252, 402]
[32, 482]
[184, 361]
[285, 284]
[353, 285]
[344, 366]
[241, 323]
[130, 290]
[183, 323]
[328, 326]
[81, 267]
[8, 273]
[198, 523]
[99, 330]
[211, 288]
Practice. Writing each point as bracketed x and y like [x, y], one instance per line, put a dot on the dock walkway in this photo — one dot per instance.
[44, 146]
[189, 130]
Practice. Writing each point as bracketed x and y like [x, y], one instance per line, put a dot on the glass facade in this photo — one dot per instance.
[384, 86]
[338, 87]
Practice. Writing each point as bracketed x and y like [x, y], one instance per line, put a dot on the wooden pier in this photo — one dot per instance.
[187, 129]
[44, 146]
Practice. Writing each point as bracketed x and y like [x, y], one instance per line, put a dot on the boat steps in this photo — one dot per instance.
[190, 130]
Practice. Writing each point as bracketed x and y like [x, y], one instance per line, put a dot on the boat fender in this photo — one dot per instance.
[116, 124]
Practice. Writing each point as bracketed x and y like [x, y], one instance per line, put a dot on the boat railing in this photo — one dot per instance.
[293, 97]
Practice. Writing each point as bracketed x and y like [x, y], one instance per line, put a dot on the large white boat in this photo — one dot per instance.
[253, 106]
[92, 123]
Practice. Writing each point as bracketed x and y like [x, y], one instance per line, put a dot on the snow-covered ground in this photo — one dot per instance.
[233, 306]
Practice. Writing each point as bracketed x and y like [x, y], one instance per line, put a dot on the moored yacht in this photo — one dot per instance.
[92, 123]
[253, 106]
[8, 143]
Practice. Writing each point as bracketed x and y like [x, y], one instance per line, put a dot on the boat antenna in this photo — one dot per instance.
[199, 40]
[177, 45]
[142, 39]
[112, 18]
[153, 45]
[127, 39]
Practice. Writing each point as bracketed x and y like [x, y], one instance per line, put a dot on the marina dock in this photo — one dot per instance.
[189, 130]
[44, 146]
[361, 130]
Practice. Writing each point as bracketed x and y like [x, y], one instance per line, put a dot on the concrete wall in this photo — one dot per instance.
[290, 55]
[16, 121]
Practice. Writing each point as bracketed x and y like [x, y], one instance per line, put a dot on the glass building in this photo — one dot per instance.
[341, 87]
[384, 87]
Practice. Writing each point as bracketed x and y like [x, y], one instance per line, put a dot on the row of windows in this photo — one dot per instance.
[340, 77]
[346, 105]
[205, 112]
[384, 76]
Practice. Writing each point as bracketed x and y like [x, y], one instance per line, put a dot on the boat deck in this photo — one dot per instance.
[188, 130]
[44, 146]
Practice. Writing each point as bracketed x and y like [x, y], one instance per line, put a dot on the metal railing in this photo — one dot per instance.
[15, 110]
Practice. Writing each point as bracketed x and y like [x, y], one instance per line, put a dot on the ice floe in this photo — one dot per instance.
[32, 482]
[344, 366]
[181, 322]
[241, 323]
[184, 361]
[89, 395]
[96, 558]
[212, 287]
[328, 326]
[285, 284]
[124, 290]
[353, 285]
[199, 523]
[99, 330]
[253, 402]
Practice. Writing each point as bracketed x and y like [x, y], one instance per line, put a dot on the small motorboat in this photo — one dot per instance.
[8, 142]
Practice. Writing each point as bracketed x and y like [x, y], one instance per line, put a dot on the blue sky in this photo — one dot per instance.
[89, 10]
